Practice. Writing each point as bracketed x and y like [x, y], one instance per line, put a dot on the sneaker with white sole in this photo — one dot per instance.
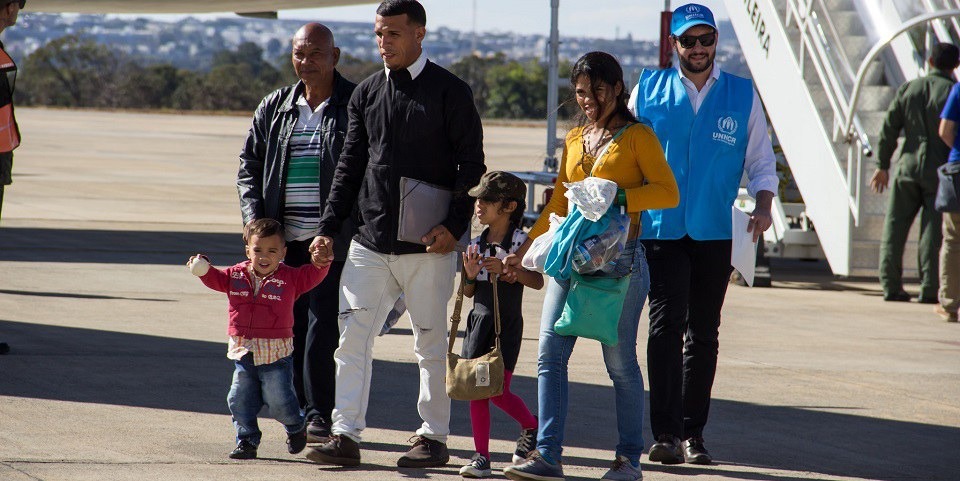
[526, 443]
[536, 469]
[624, 470]
[479, 467]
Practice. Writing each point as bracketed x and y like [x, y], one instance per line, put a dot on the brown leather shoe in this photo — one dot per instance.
[339, 450]
[425, 453]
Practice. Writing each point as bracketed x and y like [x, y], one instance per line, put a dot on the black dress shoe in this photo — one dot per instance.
[695, 453]
[928, 300]
[666, 450]
[244, 450]
[901, 296]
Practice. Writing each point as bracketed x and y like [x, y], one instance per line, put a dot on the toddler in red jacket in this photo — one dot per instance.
[261, 292]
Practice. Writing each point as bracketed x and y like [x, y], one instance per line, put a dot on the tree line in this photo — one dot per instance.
[76, 71]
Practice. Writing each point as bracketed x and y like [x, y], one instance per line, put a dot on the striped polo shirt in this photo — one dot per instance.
[301, 214]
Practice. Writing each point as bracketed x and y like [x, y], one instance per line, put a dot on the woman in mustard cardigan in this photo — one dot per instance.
[635, 161]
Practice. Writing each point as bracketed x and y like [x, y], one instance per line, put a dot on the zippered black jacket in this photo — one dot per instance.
[427, 129]
[266, 154]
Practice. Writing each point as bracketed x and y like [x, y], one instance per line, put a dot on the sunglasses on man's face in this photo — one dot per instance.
[688, 41]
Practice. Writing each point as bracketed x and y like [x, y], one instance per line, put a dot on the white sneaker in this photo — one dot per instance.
[623, 470]
[479, 467]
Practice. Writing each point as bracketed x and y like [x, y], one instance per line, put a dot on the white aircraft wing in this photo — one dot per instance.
[179, 6]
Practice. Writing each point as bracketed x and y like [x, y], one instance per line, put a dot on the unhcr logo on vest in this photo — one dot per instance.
[693, 11]
[727, 126]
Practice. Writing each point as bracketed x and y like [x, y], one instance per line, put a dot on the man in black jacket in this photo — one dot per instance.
[286, 169]
[413, 120]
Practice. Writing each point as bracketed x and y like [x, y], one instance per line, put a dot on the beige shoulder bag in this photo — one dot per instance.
[478, 378]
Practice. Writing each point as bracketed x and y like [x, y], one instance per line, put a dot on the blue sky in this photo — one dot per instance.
[587, 18]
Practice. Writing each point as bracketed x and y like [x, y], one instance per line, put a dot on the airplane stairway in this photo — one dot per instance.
[805, 58]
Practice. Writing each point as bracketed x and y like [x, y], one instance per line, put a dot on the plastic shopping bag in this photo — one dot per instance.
[600, 252]
[593, 196]
[536, 256]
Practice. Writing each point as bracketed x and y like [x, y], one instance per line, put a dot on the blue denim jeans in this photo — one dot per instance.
[621, 362]
[256, 386]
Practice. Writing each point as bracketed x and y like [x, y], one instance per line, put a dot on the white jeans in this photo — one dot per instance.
[369, 286]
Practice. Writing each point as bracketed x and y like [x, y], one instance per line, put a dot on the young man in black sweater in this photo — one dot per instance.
[414, 120]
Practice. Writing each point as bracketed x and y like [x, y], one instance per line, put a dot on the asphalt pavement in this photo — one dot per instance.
[117, 369]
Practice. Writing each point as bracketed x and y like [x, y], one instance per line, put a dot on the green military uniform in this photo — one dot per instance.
[915, 110]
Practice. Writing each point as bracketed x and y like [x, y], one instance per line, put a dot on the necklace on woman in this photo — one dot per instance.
[591, 148]
[602, 135]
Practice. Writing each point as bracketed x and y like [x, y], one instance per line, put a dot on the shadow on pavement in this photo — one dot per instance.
[174, 247]
[69, 295]
[85, 365]
[816, 275]
[116, 246]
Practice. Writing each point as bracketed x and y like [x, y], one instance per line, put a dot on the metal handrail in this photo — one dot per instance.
[955, 21]
[809, 24]
[818, 39]
[850, 111]
[941, 30]
[846, 63]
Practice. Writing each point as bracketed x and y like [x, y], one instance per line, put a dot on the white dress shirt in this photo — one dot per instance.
[415, 68]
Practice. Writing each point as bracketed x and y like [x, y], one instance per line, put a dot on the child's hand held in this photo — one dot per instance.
[319, 260]
[493, 265]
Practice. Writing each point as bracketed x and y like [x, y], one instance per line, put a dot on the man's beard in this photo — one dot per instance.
[689, 66]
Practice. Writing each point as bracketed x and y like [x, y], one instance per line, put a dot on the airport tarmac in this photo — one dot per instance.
[118, 367]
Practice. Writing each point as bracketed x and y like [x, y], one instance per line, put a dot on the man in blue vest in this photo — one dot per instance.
[713, 129]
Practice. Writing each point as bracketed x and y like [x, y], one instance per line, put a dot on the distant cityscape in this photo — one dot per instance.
[191, 43]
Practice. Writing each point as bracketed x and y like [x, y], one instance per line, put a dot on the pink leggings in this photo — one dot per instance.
[510, 403]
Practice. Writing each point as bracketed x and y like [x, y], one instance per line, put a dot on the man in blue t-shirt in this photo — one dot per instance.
[949, 119]
[949, 295]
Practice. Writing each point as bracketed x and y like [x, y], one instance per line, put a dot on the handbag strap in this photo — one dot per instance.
[458, 308]
[496, 308]
[455, 317]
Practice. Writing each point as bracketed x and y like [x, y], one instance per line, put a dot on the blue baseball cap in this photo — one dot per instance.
[690, 15]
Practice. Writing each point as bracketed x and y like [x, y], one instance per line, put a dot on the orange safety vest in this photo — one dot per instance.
[9, 132]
